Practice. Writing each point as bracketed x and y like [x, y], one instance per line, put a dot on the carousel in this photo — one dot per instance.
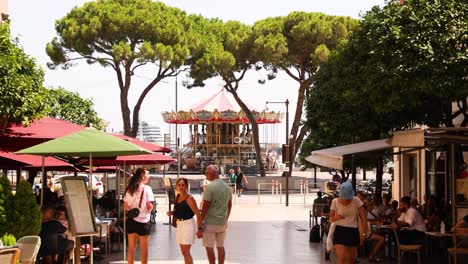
[220, 133]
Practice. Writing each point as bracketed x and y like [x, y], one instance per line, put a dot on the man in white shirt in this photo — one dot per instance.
[413, 222]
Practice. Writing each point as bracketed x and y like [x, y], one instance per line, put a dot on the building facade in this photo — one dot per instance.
[150, 133]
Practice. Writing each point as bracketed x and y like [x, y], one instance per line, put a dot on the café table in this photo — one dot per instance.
[440, 239]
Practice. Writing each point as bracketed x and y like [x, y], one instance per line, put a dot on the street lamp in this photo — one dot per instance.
[287, 141]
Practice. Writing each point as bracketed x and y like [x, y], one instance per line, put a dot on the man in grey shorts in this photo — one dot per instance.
[217, 203]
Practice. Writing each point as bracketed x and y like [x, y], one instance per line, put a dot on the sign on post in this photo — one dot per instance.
[79, 208]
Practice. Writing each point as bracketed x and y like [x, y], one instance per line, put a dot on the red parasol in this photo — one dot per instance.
[15, 137]
[31, 162]
[147, 145]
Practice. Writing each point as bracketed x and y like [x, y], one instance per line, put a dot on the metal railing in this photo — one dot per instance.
[276, 189]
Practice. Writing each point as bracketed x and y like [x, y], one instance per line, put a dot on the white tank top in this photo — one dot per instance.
[349, 212]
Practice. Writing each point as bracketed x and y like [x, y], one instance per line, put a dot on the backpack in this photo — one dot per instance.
[314, 235]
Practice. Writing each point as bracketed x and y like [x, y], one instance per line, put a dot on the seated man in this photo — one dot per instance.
[412, 221]
[55, 247]
[319, 201]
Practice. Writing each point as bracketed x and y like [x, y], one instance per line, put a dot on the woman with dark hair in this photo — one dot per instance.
[350, 230]
[185, 208]
[138, 195]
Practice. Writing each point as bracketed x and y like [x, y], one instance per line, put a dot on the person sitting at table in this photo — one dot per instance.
[391, 213]
[412, 220]
[373, 236]
[463, 223]
[55, 247]
[431, 211]
[378, 209]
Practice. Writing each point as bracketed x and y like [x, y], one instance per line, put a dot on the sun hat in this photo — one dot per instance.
[346, 191]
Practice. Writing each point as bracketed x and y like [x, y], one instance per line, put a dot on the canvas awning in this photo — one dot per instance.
[334, 157]
[407, 138]
[423, 137]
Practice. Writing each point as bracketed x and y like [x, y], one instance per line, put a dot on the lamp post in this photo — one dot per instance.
[287, 141]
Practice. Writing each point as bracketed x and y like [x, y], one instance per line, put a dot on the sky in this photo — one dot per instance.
[32, 22]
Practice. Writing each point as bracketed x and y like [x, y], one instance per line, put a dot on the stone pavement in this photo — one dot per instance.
[267, 233]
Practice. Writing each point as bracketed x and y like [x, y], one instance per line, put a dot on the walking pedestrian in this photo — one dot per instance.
[185, 208]
[232, 179]
[240, 179]
[217, 203]
[138, 195]
[344, 212]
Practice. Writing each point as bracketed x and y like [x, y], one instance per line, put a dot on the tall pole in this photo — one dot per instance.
[290, 150]
[177, 132]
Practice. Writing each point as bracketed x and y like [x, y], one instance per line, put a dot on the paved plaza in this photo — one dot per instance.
[265, 233]
[257, 233]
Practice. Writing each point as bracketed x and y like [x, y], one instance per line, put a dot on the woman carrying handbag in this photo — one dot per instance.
[138, 203]
[185, 208]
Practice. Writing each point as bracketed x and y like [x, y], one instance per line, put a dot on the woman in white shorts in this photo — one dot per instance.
[185, 208]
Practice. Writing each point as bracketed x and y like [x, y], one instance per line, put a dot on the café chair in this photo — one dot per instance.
[29, 247]
[460, 235]
[315, 214]
[9, 255]
[401, 249]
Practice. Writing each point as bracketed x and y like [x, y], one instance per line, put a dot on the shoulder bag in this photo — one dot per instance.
[134, 212]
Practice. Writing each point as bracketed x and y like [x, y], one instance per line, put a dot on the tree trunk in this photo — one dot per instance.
[136, 109]
[125, 113]
[296, 142]
[254, 124]
[124, 87]
[379, 175]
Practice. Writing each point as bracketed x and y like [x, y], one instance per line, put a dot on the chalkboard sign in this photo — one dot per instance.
[169, 190]
[80, 213]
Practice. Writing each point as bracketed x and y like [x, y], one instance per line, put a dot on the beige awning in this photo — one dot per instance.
[408, 138]
[333, 157]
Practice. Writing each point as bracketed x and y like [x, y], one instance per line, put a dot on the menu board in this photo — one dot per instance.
[81, 219]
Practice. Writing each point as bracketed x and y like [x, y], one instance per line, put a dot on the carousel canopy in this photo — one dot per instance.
[219, 108]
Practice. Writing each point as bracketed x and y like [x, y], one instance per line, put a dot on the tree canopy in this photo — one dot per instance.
[21, 92]
[297, 44]
[404, 66]
[125, 35]
[70, 106]
[228, 55]
[414, 59]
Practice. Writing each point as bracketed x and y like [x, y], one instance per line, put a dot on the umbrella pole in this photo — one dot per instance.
[125, 226]
[44, 179]
[90, 183]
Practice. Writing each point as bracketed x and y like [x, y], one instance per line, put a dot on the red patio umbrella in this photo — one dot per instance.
[10, 160]
[147, 159]
[15, 137]
[147, 145]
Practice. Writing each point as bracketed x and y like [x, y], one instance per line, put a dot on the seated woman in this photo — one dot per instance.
[55, 247]
[373, 236]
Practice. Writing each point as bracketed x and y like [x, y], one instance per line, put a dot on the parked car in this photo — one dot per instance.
[98, 186]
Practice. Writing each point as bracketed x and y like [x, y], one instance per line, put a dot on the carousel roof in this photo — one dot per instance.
[221, 101]
[219, 108]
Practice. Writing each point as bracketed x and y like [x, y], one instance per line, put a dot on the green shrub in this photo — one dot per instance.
[6, 205]
[8, 240]
[25, 216]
